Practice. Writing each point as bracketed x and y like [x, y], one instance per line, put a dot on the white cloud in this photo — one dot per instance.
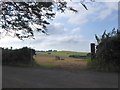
[61, 36]
[103, 14]
[67, 42]
[94, 0]
[96, 11]
[56, 28]
[107, 10]
[78, 20]
[107, 0]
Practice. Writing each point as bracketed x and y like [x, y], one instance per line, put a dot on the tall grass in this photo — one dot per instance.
[46, 61]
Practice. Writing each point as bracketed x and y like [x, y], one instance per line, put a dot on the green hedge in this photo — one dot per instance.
[108, 51]
[17, 56]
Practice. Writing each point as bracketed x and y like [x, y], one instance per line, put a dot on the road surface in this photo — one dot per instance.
[17, 77]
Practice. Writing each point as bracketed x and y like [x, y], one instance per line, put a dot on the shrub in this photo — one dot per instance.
[108, 51]
[78, 56]
[74, 56]
[18, 56]
[88, 54]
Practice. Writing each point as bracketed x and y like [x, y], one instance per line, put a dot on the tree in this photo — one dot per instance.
[108, 51]
[21, 17]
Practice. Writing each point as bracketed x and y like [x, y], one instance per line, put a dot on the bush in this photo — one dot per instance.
[89, 55]
[74, 56]
[108, 51]
[78, 56]
[18, 56]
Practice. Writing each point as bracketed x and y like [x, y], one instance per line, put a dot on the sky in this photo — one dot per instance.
[71, 31]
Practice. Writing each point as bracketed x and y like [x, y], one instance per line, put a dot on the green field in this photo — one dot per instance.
[48, 60]
[64, 53]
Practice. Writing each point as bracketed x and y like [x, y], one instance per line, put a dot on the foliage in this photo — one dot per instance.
[74, 56]
[23, 18]
[108, 51]
[79, 56]
[88, 55]
[17, 56]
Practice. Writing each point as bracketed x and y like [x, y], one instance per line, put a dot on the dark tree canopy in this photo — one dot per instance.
[108, 51]
[21, 17]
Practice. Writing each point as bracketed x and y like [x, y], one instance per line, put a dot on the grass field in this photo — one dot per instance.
[49, 61]
[64, 53]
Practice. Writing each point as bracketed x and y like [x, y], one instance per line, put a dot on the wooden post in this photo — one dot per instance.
[11, 48]
[0, 56]
[92, 51]
[0, 68]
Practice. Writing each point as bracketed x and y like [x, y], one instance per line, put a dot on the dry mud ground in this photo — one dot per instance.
[29, 77]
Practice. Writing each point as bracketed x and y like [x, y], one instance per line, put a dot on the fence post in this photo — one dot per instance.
[92, 51]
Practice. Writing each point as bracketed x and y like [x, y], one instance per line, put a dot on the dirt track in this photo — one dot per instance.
[16, 77]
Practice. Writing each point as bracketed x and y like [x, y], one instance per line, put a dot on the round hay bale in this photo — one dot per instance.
[57, 58]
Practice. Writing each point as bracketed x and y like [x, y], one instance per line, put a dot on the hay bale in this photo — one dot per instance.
[57, 58]
[62, 59]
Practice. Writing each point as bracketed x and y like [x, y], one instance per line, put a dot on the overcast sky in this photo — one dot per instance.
[70, 31]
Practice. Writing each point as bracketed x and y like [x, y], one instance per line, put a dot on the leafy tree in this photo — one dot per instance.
[108, 51]
[18, 17]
